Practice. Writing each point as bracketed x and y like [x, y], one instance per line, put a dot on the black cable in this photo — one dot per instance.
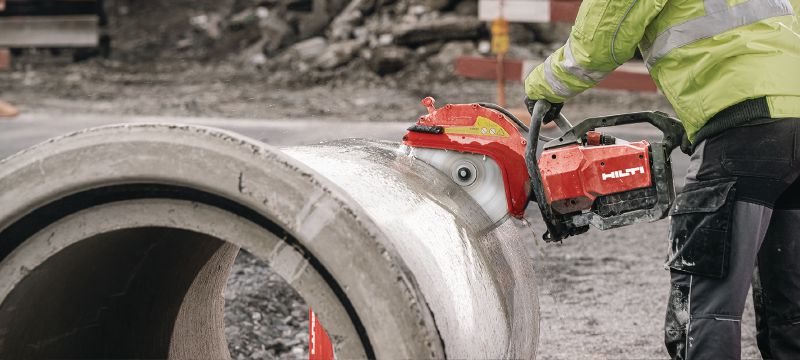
[505, 112]
[513, 118]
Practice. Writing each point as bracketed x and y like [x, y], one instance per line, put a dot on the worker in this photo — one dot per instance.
[731, 70]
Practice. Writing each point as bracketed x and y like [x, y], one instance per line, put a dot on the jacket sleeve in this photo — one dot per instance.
[605, 35]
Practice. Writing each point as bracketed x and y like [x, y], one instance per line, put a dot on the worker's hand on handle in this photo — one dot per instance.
[686, 145]
[550, 115]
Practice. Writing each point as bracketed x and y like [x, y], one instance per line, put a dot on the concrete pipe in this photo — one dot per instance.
[116, 242]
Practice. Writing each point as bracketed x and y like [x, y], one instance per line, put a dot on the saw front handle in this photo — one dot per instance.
[555, 230]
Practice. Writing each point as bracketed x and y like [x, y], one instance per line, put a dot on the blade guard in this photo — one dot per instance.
[475, 129]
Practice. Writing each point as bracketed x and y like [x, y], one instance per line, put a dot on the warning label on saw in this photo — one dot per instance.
[483, 126]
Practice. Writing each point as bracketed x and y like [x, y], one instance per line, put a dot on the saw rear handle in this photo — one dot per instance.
[671, 129]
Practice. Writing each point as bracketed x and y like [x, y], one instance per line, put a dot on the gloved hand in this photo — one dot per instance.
[686, 146]
[553, 113]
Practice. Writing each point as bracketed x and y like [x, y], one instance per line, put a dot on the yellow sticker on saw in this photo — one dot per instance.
[482, 126]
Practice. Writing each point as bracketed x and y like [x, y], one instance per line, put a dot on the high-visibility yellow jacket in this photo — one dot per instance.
[704, 55]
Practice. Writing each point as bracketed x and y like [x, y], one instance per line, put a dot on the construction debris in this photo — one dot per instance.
[311, 38]
[338, 54]
[438, 29]
[389, 59]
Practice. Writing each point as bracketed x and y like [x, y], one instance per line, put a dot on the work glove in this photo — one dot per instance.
[686, 146]
[551, 115]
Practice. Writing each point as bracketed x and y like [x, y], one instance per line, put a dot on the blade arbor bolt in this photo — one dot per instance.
[464, 173]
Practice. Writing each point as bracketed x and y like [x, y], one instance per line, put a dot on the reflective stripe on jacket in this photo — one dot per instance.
[704, 55]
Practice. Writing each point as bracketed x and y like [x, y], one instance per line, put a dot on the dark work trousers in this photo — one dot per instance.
[740, 209]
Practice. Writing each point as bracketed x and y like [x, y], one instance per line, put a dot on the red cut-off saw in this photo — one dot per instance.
[579, 178]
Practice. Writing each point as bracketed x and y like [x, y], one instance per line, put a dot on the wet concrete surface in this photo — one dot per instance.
[475, 276]
[602, 294]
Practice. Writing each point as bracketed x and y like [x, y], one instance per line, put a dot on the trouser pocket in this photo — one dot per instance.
[700, 234]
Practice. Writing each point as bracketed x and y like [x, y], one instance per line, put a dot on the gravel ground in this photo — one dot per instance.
[264, 317]
[603, 295]
[224, 90]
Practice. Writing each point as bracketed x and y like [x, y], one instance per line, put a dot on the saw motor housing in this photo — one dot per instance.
[575, 176]
[584, 177]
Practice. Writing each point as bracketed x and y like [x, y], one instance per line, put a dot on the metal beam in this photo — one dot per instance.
[49, 31]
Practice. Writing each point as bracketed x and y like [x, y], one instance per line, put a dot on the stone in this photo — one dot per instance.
[184, 43]
[452, 51]
[276, 34]
[428, 50]
[243, 19]
[315, 22]
[418, 10]
[389, 59]
[436, 4]
[466, 8]
[385, 39]
[344, 24]
[208, 24]
[338, 54]
[307, 50]
[445, 28]
[484, 47]
[262, 12]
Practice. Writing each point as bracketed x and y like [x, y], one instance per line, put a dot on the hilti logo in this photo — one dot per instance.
[623, 173]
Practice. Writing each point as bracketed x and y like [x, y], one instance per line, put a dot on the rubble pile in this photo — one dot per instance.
[318, 36]
[389, 35]
[384, 36]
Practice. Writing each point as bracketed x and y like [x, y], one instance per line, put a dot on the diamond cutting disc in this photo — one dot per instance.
[478, 175]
